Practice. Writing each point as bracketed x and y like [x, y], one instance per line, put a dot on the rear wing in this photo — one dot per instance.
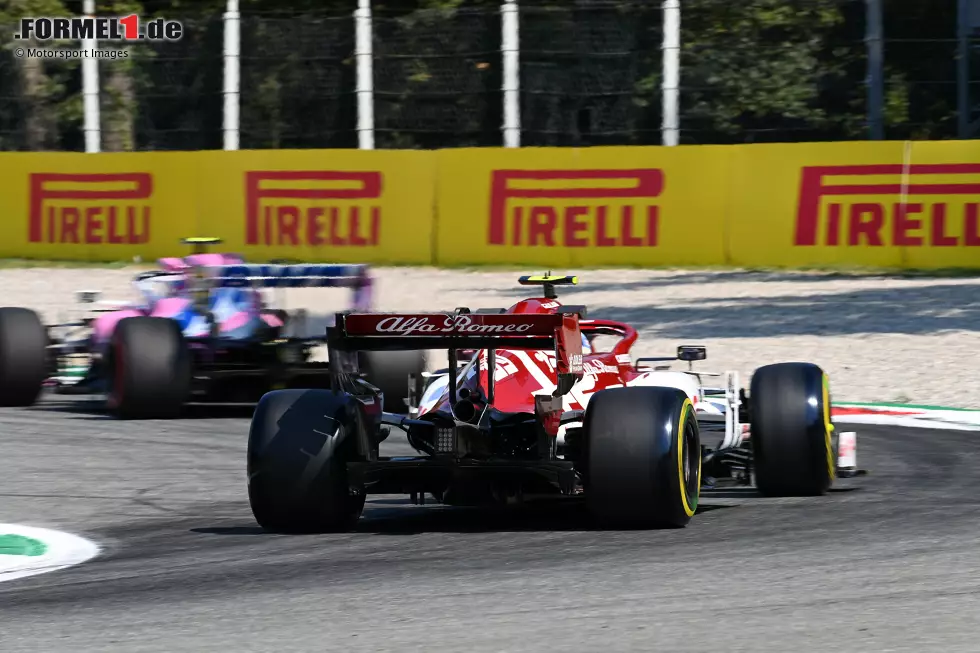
[452, 331]
[313, 275]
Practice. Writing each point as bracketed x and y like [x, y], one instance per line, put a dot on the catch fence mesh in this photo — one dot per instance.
[590, 74]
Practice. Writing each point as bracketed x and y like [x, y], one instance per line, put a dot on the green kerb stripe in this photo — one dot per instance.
[18, 545]
[881, 404]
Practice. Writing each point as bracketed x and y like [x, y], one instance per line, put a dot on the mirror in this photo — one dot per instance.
[692, 353]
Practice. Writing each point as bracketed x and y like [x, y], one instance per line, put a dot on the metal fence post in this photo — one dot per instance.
[963, 69]
[671, 57]
[364, 53]
[90, 90]
[511, 49]
[232, 80]
[875, 80]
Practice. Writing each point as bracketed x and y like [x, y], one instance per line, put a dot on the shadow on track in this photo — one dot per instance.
[925, 309]
[93, 409]
[554, 516]
[688, 277]
[753, 493]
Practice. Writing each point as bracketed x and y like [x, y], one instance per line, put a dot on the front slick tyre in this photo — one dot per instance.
[643, 457]
[299, 444]
[791, 430]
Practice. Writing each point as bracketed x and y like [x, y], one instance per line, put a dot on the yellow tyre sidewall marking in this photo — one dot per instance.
[828, 428]
[681, 422]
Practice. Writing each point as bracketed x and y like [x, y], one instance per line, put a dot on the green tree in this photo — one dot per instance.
[753, 64]
[117, 95]
[35, 107]
[752, 70]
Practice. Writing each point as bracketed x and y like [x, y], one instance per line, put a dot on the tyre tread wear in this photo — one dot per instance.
[298, 446]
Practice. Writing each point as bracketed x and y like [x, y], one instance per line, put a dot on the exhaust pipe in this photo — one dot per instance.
[464, 410]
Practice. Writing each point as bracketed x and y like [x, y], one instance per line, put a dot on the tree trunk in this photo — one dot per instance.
[118, 107]
[40, 127]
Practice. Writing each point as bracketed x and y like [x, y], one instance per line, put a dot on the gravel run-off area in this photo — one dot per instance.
[880, 338]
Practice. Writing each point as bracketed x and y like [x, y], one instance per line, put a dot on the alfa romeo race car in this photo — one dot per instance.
[538, 410]
[206, 330]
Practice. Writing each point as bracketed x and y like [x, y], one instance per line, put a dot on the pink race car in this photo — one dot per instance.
[204, 332]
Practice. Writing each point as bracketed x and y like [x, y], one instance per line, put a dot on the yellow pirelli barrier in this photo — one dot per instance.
[884, 204]
[583, 207]
[344, 206]
[892, 204]
[340, 205]
[95, 207]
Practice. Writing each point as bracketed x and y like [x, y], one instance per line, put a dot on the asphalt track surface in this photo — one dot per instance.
[888, 562]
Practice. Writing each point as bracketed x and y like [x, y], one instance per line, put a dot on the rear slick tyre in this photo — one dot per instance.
[149, 369]
[23, 356]
[643, 457]
[389, 371]
[792, 430]
[299, 444]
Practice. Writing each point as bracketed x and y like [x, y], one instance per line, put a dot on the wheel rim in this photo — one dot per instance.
[692, 463]
[828, 428]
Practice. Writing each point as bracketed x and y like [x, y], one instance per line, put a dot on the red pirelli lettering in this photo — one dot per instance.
[907, 221]
[96, 208]
[271, 220]
[590, 223]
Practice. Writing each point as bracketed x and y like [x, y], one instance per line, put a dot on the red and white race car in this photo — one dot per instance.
[536, 409]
